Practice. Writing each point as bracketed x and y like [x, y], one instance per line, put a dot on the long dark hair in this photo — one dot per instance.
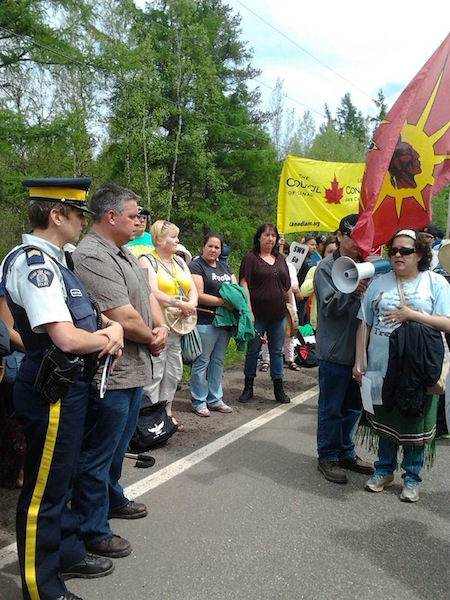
[261, 229]
[421, 246]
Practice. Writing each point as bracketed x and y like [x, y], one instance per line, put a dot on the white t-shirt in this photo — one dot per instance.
[429, 293]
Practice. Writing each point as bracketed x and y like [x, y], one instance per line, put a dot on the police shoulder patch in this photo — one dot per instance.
[35, 257]
[41, 277]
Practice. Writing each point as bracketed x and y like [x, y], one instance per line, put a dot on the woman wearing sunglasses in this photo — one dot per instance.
[410, 292]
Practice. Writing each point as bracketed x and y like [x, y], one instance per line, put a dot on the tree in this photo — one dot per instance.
[204, 140]
[304, 135]
[349, 120]
[380, 103]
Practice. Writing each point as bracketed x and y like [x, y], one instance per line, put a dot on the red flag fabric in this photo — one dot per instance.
[409, 158]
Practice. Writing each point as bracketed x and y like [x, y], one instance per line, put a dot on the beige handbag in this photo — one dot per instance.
[178, 322]
[291, 320]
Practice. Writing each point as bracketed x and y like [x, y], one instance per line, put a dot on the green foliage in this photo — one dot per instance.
[158, 101]
[330, 145]
[440, 206]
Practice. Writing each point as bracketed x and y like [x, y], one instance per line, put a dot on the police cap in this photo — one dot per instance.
[68, 190]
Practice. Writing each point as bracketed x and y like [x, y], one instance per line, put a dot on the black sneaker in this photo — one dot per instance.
[91, 566]
[333, 472]
[357, 465]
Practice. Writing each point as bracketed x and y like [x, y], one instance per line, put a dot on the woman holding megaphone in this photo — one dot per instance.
[402, 315]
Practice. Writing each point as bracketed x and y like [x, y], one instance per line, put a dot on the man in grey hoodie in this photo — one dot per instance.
[339, 395]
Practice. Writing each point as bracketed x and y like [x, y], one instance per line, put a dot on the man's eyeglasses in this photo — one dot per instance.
[402, 251]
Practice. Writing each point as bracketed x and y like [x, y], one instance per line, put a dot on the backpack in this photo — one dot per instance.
[154, 428]
[304, 353]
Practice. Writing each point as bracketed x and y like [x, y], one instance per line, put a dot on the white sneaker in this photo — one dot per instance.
[410, 491]
[378, 482]
[202, 412]
[222, 408]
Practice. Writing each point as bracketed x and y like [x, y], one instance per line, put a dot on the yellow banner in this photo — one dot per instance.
[315, 195]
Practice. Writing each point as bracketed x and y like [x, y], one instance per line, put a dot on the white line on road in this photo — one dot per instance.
[9, 553]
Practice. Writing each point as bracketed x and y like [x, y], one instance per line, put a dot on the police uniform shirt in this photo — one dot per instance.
[39, 287]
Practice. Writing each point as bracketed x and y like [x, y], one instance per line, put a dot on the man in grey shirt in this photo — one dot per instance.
[339, 405]
[116, 281]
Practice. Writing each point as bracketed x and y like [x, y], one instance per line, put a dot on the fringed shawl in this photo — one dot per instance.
[403, 431]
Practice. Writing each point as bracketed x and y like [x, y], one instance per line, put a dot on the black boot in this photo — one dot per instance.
[280, 395]
[247, 394]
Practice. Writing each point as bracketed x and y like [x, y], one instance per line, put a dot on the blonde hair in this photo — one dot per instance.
[161, 230]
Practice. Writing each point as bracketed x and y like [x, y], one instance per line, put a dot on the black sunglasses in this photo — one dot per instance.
[402, 251]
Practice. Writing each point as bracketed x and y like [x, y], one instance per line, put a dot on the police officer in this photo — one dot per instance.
[51, 309]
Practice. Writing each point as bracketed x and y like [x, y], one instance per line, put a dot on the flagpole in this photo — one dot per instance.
[448, 215]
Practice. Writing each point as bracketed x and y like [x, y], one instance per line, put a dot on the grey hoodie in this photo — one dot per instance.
[336, 316]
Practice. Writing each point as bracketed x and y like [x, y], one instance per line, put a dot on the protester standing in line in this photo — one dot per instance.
[427, 297]
[142, 242]
[114, 278]
[209, 274]
[288, 348]
[265, 276]
[339, 405]
[307, 288]
[169, 279]
[53, 312]
[12, 440]
[311, 260]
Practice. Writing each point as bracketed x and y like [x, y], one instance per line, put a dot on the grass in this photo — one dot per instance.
[233, 357]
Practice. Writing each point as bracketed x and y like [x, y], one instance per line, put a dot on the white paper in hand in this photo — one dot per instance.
[366, 394]
[106, 373]
[371, 390]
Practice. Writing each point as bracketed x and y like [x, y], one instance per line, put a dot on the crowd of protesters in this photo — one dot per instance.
[68, 428]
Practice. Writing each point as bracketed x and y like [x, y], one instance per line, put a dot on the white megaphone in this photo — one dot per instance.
[346, 273]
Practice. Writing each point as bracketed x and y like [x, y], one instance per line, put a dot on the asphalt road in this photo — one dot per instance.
[248, 516]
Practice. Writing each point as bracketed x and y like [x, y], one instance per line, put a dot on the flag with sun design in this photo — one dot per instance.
[409, 158]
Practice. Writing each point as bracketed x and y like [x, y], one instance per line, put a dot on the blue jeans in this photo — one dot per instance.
[276, 332]
[207, 370]
[412, 463]
[110, 424]
[339, 410]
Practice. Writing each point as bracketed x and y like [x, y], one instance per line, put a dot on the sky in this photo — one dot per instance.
[323, 49]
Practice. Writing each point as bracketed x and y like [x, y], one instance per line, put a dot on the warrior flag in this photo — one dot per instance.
[409, 158]
[315, 195]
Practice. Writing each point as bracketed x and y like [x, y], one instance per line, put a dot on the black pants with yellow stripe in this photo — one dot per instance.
[47, 532]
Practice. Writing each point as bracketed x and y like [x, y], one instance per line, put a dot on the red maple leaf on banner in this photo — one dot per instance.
[334, 194]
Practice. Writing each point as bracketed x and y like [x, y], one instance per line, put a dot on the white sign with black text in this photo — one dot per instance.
[297, 254]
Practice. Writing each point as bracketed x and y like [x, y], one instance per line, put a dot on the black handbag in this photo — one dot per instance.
[154, 428]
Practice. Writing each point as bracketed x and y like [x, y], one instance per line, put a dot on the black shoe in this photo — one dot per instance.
[333, 472]
[280, 394]
[91, 566]
[357, 465]
[69, 596]
[132, 510]
[247, 394]
[113, 547]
